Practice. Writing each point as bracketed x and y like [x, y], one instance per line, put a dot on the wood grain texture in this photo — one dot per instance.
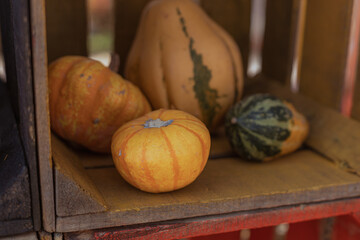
[356, 98]
[15, 196]
[15, 26]
[331, 134]
[234, 17]
[177, 229]
[226, 185]
[127, 18]
[39, 59]
[66, 28]
[74, 190]
[16, 226]
[26, 236]
[278, 41]
[326, 39]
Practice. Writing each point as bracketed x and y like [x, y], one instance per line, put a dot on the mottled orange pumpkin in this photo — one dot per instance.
[162, 151]
[183, 60]
[89, 102]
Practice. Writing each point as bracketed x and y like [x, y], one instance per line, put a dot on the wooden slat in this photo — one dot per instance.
[278, 45]
[17, 54]
[356, 94]
[224, 223]
[16, 226]
[127, 17]
[326, 39]
[75, 192]
[15, 193]
[351, 67]
[39, 59]
[234, 16]
[331, 134]
[66, 28]
[226, 185]
[356, 100]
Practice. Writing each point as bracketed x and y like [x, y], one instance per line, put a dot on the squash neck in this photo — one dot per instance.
[157, 123]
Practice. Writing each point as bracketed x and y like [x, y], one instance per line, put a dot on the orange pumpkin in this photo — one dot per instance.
[182, 59]
[88, 102]
[162, 151]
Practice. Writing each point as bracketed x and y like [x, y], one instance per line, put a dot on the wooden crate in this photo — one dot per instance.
[82, 193]
[19, 192]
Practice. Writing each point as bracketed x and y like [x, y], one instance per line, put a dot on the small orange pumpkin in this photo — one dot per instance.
[162, 151]
[88, 102]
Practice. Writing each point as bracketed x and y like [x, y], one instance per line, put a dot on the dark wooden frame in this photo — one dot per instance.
[16, 40]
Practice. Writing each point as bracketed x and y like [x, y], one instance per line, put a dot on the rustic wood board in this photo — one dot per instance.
[16, 226]
[15, 26]
[127, 17]
[39, 71]
[356, 98]
[325, 50]
[226, 185]
[331, 133]
[199, 226]
[75, 193]
[236, 21]
[15, 195]
[278, 42]
[66, 28]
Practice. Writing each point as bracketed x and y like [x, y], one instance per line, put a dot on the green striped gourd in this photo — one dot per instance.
[263, 127]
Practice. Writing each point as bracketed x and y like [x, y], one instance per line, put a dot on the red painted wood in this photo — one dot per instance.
[230, 222]
[346, 228]
[265, 233]
[309, 230]
[220, 236]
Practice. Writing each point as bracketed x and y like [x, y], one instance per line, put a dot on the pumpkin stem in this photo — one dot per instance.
[158, 123]
[114, 64]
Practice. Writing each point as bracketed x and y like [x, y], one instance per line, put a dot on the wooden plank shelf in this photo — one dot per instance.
[227, 184]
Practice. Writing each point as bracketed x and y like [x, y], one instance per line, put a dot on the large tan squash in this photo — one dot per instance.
[182, 59]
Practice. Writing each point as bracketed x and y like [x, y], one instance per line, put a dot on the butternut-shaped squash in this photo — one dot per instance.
[182, 59]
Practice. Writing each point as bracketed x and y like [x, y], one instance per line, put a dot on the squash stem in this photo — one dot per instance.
[158, 123]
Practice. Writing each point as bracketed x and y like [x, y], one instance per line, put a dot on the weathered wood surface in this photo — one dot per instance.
[356, 94]
[177, 229]
[127, 18]
[278, 42]
[325, 50]
[15, 196]
[226, 185]
[16, 226]
[15, 26]
[66, 28]
[39, 71]
[234, 17]
[356, 100]
[74, 190]
[331, 134]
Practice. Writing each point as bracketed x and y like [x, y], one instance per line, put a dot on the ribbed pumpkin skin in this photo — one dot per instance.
[263, 127]
[183, 60]
[88, 102]
[161, 159]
